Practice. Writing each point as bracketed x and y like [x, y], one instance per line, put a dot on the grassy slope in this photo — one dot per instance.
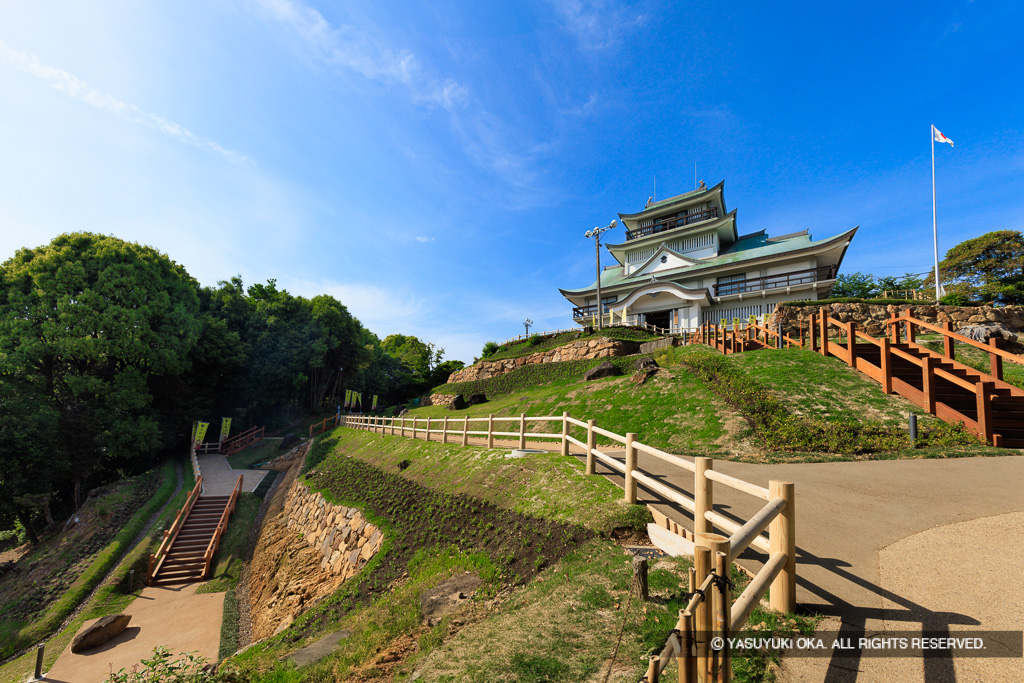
[677, 412]
[673, 410]
[114, 595]
[537, 344]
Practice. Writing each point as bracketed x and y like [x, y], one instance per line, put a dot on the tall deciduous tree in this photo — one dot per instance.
[88, 321]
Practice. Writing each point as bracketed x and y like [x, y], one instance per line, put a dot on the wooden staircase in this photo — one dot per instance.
[189, 546]
[956, 393]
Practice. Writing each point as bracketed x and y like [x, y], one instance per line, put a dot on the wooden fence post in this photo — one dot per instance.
[928, 386]
[415, 427]
[851, 342]
[444, 430]
[522, 431]
[590, 447]
[703, 496]
[782, 539]
[947, 342]
[983, 401]
[995, 360]
[812, 333]
[686, 662]
[630, 466]
[565, 434]
[720, 556]
[465, 431]
[824, 333]
[894, 330]
[403, 425]
[911, 333]
[702, 561]
[490, 430]
[885, 364]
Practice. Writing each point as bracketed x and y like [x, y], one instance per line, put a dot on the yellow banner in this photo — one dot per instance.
[374, 402]
[348, 398]
[201, 432]
[225, 428]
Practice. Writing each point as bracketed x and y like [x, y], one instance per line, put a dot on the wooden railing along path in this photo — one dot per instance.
[222, 526]
[986, 405]
[156, 560]
[713, 552]
[240, 442]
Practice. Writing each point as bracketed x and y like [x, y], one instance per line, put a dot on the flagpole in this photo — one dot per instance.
[935, 224]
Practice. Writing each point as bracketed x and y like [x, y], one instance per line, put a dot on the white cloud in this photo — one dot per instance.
[422, 239]
[74, 87]
[595, 24]
[350, 48]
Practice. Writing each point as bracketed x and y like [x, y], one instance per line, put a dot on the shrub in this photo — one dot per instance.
[490, 348]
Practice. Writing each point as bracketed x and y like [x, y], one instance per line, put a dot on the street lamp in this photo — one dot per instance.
[527, 322]
[596, 234]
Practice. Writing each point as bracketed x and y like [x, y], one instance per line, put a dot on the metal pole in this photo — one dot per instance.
[913, 428]
[39, 663]
[935, 224]
[600, 313]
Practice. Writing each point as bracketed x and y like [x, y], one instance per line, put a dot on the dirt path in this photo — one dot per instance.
[172, 616]
[881, 546]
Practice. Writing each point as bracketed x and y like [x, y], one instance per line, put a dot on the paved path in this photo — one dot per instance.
[219, 479]
[172, 616]
[850, 515]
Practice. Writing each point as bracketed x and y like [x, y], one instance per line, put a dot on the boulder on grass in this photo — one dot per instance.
[645, 363]
[605, 369]
[984, 331]
[105, 629]
[289, 441]
[477, 399]
[458, 404]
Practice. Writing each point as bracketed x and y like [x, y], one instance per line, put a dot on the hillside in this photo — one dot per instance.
[678, 411]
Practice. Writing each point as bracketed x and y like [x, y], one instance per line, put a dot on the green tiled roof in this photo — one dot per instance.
[746, 248]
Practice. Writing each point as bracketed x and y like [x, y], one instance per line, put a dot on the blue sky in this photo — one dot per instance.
[435, 166]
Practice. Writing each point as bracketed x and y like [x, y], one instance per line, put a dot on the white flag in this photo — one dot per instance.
[939, 137]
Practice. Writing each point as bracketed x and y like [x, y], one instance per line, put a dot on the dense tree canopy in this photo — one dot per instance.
[109, 350]
[988, 268]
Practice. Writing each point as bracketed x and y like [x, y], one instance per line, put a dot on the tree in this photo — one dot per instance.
[490, 348]
[989, 267]
[88, 321]
[855, 285]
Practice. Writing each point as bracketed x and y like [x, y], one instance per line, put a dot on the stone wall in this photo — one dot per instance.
[342, 536]
[584, 349]
[439, 399]
[871, 318]
[658, 344]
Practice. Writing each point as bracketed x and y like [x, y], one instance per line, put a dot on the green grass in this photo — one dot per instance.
[257, 453]
[15, 636]
[673, 411]
[541, 484]
[114, 596]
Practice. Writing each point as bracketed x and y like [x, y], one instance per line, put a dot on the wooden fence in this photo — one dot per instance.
[240, 442]
[706, 619]
[899, 348]
[222, 525]
[157, 560]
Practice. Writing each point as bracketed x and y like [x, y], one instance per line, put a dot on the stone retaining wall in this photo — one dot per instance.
[658, 344]
[584, 349]
[440, 399]
[343, 537]
[871, 318]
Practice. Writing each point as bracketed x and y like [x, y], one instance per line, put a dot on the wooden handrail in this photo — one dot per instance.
[959, 337]
[222, 524]
[156, 560]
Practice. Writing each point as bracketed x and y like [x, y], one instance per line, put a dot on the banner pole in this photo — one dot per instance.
[935, 224]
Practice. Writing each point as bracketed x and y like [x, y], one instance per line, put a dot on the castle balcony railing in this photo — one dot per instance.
[781, 280]
[672, 223]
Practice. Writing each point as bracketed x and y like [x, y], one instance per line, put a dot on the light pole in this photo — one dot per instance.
[527, 323]
[596, 234]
